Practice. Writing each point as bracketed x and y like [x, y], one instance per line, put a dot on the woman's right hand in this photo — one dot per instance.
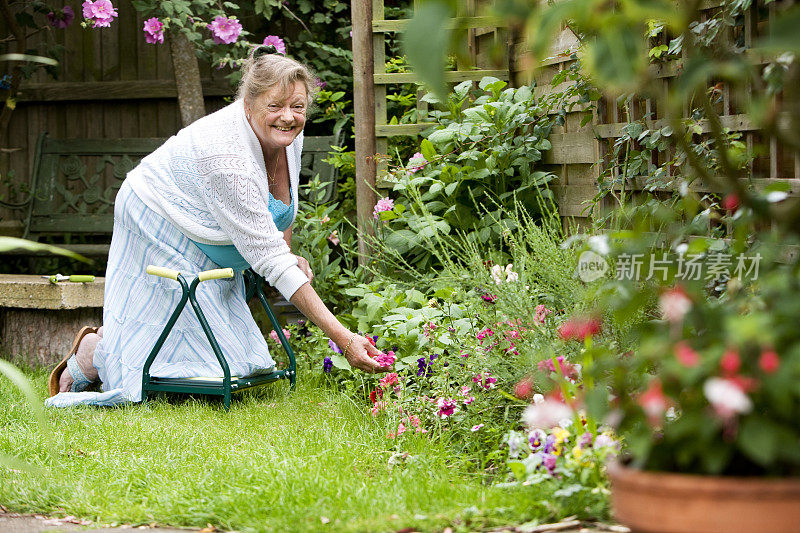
[360, 354]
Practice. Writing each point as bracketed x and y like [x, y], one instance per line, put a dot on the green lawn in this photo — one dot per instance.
[310, 460]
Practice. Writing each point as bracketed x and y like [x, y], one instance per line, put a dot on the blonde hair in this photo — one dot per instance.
[262, 72]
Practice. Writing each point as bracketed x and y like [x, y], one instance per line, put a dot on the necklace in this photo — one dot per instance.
[272, 177]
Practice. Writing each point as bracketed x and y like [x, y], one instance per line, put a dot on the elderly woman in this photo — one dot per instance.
[222, 192]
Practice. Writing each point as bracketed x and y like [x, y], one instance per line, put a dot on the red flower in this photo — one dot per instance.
[685, 355]
[375, 395]
[579, 328]
[730, 362]
[769, 361]
[523, 388]
[731, 202]
[653, 402]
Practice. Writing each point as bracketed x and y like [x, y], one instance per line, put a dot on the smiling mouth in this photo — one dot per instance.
[279, 128]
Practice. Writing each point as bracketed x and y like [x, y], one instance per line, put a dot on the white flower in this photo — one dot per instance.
[726, 397]
[674, 305]
[497, 274]
[510, 274]
[538, 398]
[546, 414]
[599, 244]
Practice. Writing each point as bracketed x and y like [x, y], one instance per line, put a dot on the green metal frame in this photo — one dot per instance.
[226, 385]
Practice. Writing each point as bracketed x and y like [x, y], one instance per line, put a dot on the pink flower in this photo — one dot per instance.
[769, 362]
[274, 334]
[389, 380]
[384, 204]
[447, 406]
[523, 388]
[334, 237]
[485, 380]
[378, 407]
[61, 19]
[401, 428]
[726, 397]
[476, 427]
[579, 328]
[428, 329]
[730, 362]
[225, 30]
[153, 31]
[325, 219]
[547, 414]
[99, 13]
[564, 367]
[541, 313]
[413, 420]
[653, 402]
[386, 359]
[275, 41]
[685, 355]
[416, 162]
[674, 304]
[485, 333]
[731, 202]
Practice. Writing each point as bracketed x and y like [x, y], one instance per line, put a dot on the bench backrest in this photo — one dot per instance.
[76, 180]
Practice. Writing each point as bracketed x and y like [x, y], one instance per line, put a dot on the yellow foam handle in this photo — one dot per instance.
[162, 272]
[217, 273]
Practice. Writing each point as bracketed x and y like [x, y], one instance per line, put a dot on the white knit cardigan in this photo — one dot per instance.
[210, 181]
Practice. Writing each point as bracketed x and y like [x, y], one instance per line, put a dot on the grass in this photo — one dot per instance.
[306, 461]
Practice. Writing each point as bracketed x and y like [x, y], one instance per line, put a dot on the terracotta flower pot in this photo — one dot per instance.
[655, 502]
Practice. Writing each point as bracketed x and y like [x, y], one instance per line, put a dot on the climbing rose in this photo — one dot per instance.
[61, 19]
[225, 30]
[99, 13]
[384, 204]
[275, 41]
[153, 31]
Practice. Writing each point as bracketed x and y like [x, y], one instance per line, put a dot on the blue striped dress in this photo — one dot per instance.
[138, 305]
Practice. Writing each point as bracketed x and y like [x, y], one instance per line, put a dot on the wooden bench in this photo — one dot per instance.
[75, 182]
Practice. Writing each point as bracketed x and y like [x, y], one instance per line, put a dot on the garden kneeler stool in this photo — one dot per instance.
[218, 386]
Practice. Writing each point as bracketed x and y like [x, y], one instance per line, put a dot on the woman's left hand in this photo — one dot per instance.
[303, 264]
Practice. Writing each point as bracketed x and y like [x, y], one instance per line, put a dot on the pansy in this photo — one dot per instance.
[536, 439]
[225, 30]
[277, 42]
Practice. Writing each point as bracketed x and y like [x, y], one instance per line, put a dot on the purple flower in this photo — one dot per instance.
[99, 13]
[549, 462]
[447, 406]
[321, 84]
[277, 42]
[536, 439]
[549, 444]
[424, 368]
[61, 19]
[225, 30]
[327, 364]
[334, 347]
[585, 441]
[153, 31]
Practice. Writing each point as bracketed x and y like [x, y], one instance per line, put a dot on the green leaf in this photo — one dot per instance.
[428, 150]
[425, 44]
[518, 469]
[758, 439]
[340, 362]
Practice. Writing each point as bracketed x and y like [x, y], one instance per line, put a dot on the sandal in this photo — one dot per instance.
[69, 361]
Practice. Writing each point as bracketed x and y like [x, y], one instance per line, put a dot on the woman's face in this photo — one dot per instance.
[278, 116]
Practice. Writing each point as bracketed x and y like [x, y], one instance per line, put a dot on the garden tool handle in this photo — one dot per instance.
[163, 272]
[81, 278]
[217, 273]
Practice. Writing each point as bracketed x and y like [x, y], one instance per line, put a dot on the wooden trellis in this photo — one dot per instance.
[371, 80]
